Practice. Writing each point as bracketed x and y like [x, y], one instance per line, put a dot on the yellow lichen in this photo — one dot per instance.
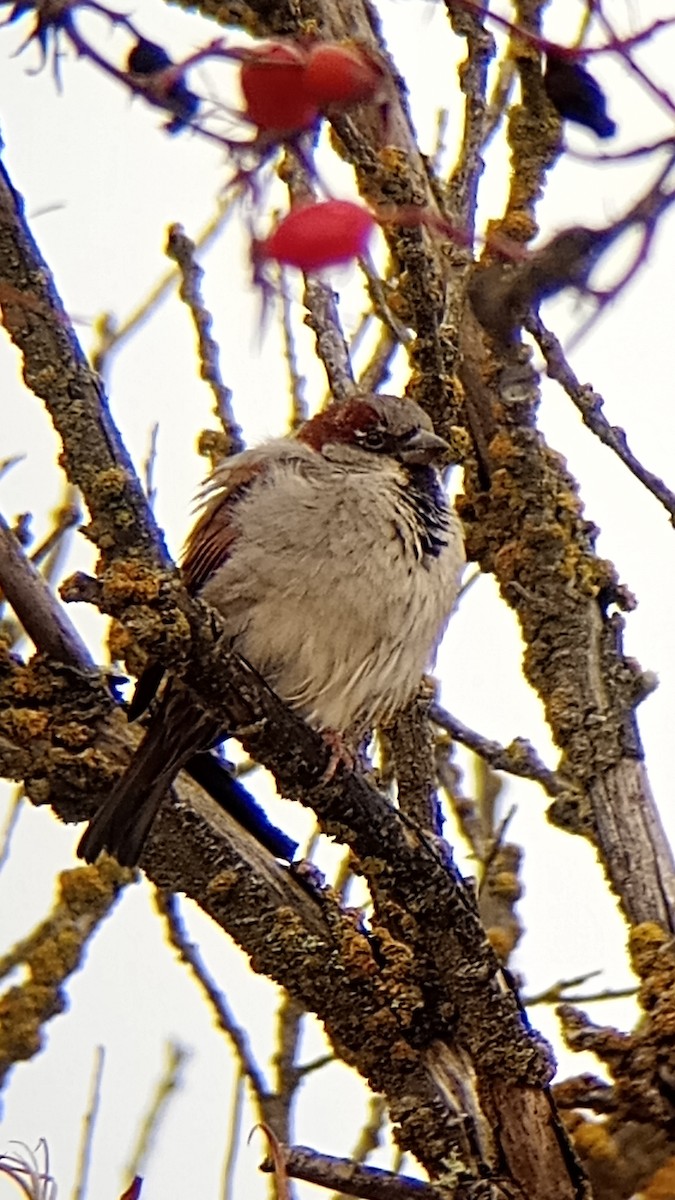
[130, 582]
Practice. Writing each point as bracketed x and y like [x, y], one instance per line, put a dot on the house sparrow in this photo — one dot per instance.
[334, 561]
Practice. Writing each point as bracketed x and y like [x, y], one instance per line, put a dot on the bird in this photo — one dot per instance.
[576, 95]
[333, 559]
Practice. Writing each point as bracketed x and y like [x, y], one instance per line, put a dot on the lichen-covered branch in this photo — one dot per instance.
[50, 955]
[464, 999]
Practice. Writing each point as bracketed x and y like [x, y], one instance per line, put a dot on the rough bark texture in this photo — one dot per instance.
[418, 1003]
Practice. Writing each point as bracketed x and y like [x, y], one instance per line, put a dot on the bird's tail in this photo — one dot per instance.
[176, 731]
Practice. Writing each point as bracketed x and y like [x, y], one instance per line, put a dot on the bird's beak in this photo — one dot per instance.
[424, 447]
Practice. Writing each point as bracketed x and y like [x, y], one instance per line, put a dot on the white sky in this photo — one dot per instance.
[103, 183]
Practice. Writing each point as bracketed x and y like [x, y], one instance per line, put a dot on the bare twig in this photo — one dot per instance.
[149, 466]
[376, 371]
[370, 1136]
[113, 336]
[40, 611]
[15, 807]
[88, 1125]
[297, 381]
[289, 1027]
[353, 1179]
[320, 300]
[6, 464]
[590, 405]
[520, 758]
[563, 991]
[182, 250]
[233, 1139]
[51, 552]
[170, 1082]
[331, 347]
[167, 904]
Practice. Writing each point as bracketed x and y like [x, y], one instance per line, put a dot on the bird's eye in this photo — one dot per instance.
[374, 439]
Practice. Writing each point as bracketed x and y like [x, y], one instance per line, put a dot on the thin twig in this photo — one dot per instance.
[168, 1084]
[331, 347]
[370, 1137]
[112, 336]
[297, 380]
[320, 300]
[6, 464]
[289, 1027]
[167, 905]
[377, 370]
[473, 78]
[234, 1137]
[149, 466]
[352, 1179]
[38, 609]
[500, 97]
[624, 48]
[52, 551]
[378, 296]
[560, 991]
[590, 405]
[15, 807]
[88, 1126]
[182, 250]
[519, 758]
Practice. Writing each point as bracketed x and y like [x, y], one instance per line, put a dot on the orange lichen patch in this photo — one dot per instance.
[502, 941]
[357, 954]
[402, 1053]
[520, 228]
[120, 641]
[23, 725]
[130, 582]
[84, 887]
[33, 681]
[111, 485]
[662, 1184]
[506, 885]
[74, 736]
[56, 956]
[593, 1141]
[650, 948]
[653, 960]
[222, 884]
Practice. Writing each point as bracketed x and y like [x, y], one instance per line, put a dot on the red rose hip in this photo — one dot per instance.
[341, 74]
[272, 81]
[319, 235]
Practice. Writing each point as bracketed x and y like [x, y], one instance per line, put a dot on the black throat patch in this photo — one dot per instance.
[429, 506]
